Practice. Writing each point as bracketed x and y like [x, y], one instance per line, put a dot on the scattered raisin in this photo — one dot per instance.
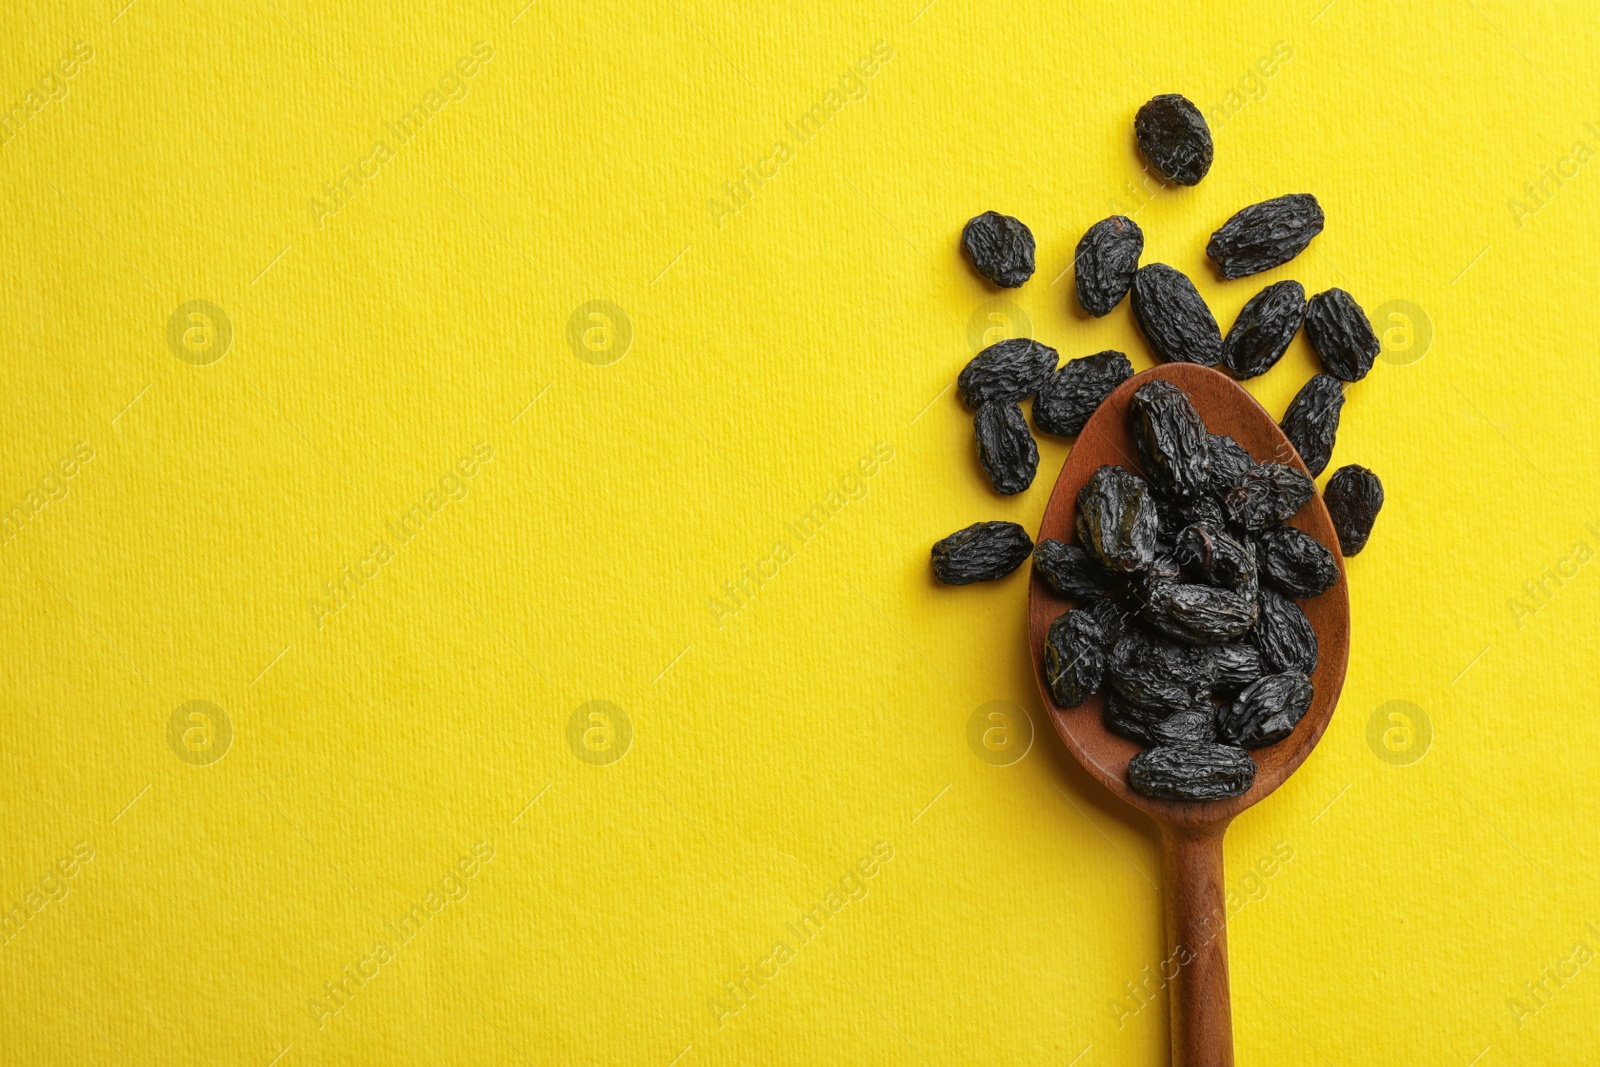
[1267, 711]
[1312, 421]
[1261, 334]
[1341, 335]
[1117, 519]
[1174, 317]
[1005, 447]
[1265, 235]
[1265, 494]
[1171, 438]
[1107, 257]
[1070, 395]
[1284, 634]
[1174, 138]
[982, 552]
[1011, 370]
[1192, 772]
[1354, 497]
[1074, 662]
[1295, 562]
[1000, 247]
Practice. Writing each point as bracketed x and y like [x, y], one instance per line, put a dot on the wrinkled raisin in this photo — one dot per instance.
[1265, 494]
[1295, 562]
[1171, 438]
[1158, 674]
[982, 552]
[1229, 461]
[1210, 555]
[1114, 617]
[1011, 370]
[1312, 421]
[1341, 335]
[1070, 395]
[1070, 571]
[1234, 667]
[1284, 634]
[1174, 138]
[1000, 247]
[1195, 726]
[1005, 447]
[1261, 334]
[1107, 257]
[1192, 772]
[1265, 235]
[1126, 719]
[1174, 317]
[1117, 519]
[1199, 614]
[1354, 497]
[1074, 662]
[1267, 711]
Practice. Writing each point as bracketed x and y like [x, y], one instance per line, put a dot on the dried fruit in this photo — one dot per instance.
[1073, 660]
[1174, 318]
[1209, 555]
[1107, 256]
[1265, 235]
[1195, 726]
[1070, 571]
[1157, 674]
[1199, 614]
[1312, 421]
[1127, 719]
[1011, 370]
[1265, 326]
[1070, 395]
[1295, 562]
[982, 552]
[1173, 443]
[1354, 497]
[1117, 519]
[1114, 617]
[1284, 635]
[1005, 447]
[1229, 461]
[1234, 667]
[1174, 137]
[1265, 494]
[1341, 334]
[1267, 711]
[1000, 247]
[1192, 772]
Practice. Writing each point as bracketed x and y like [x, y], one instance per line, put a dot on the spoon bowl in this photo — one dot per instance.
[1191, 832]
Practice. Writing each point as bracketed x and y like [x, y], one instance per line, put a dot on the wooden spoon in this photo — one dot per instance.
[1196, 960]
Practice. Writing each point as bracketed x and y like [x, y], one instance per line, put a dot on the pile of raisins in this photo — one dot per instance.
[1186, 572]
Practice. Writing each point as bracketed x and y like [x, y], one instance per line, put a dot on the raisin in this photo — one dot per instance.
[1192, 772]
[1005, 447]
[1199, 614]
[1234, 667]
[1174, 445]
[1312, 421]
[1174, 317]
[1074, 662]
[1174, 137]
[1210, 555]
[1354, 497]
[1000, 247]
[1114, 617]
[1117, 519]
[1284, 634]
[1106, 259]
[1261, 334]
[1158, 674]
[1229, 461]
[1127, 719]
[1192, 727]
[1207, 510]
[1265, 494]
[982, 552]
[1265, 235]
[1070, 571]
[1267, 711]
[1295, 562]
[1070, 395]
[1341, 335]
[1011, 370]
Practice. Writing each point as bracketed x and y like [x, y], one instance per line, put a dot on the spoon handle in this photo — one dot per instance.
[1197, 947]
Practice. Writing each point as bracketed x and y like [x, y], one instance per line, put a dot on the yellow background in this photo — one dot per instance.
[771, 349]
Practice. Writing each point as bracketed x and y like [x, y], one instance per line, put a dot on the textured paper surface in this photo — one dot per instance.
[706, 504]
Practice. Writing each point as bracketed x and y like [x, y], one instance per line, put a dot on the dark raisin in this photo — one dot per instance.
[1199, 614]
[1265, 494]
[982, 552]
[1229, 461]
[1262, 332]
[1341, 335]
[1174, 445]
[1267, 711]
[1011, 370]
[1265, 235]
[1174, 317]
[1000, 247]
[1174, 138]
[1070, 571]
[1106, 259]
[1295, 562]
[1158, 674]
[1354, 497]
[1074, 661]
[1312, 421]
[1114, 617]
[1284, 635]
[1005, 447]
[1192, 727]
[1192, 772]
[1117, 519]
[1070, 395]
[1206, 510]
[1127, 719]
[1234, 666]
[1208, 554]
